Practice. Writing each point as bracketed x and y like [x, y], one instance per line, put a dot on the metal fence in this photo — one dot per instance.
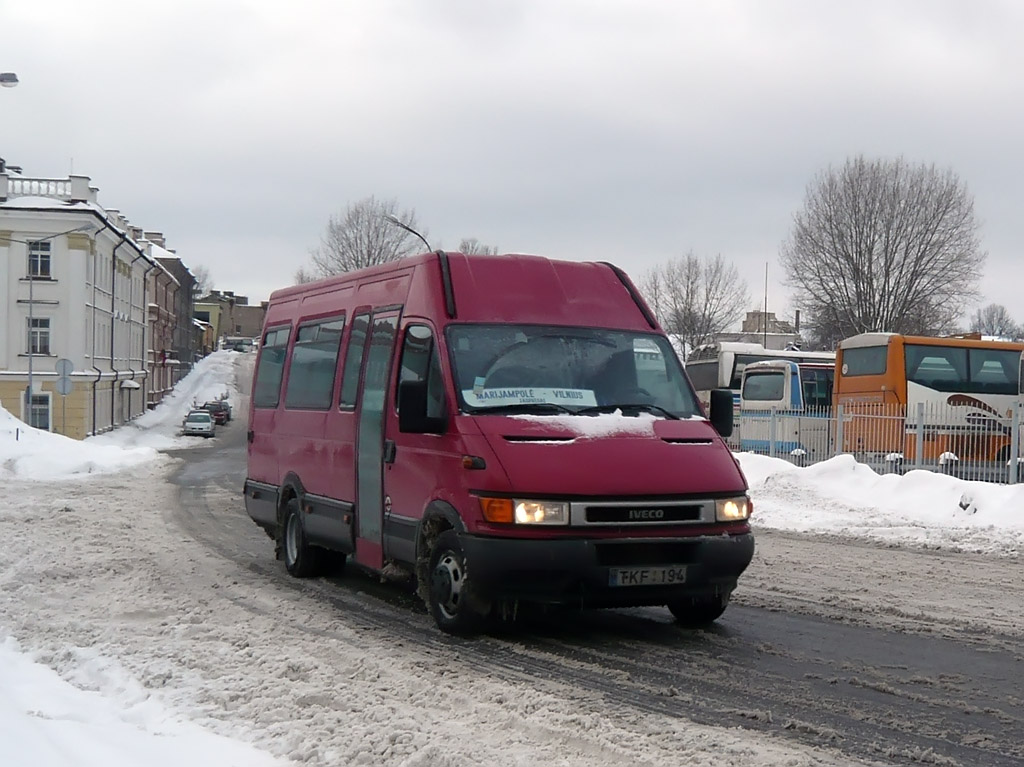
[971, 441]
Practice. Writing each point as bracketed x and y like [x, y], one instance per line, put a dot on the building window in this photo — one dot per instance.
[39, 260]
[39, 335]
[39, 412]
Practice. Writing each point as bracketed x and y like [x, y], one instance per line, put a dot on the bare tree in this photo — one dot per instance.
[884, 246]
[303, 275]
[995, 320]
[203, 282]
[363, 237]
[695, 298]
[473, 245]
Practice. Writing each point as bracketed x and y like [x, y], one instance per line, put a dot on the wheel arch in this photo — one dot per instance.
[291, 487]
[438, 517]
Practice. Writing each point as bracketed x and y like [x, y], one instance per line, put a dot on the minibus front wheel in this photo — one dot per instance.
[696, 613]
[455, 606]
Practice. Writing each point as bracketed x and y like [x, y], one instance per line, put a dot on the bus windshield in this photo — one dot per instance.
[533, 368]
[767, 386]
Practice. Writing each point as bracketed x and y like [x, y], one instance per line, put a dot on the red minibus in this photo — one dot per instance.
[502, 429]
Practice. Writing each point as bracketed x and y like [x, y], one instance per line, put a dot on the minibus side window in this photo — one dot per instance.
[420, 362]
[314, 362]
[353, 360]
[267, 387]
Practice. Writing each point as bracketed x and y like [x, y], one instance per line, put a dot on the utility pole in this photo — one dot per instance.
[765, 318]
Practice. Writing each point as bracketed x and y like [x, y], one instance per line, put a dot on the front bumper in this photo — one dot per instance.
[578, 571]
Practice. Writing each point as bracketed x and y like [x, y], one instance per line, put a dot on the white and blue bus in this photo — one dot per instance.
[786, 409]
[720, 366]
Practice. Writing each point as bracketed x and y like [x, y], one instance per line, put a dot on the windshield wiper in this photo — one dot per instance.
[638, 406]
[538, 408]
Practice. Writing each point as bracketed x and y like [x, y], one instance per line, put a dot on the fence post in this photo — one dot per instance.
[919, 438]
[1014, 442]
[838, 449]
[771, 434]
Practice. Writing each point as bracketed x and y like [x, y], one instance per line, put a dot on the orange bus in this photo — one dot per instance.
[953, 396]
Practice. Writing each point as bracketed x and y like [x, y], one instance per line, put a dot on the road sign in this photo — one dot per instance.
[65, 367]
[64, 385]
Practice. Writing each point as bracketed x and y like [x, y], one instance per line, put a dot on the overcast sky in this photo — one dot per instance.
[629, 131]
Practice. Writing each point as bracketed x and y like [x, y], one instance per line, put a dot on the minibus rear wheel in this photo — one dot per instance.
[452, 601]
[300, 559]
[696, 613]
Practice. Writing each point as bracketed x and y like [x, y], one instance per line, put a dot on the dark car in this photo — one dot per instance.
[220, 409]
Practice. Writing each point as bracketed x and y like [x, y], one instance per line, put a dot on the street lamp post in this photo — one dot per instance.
[31, 307]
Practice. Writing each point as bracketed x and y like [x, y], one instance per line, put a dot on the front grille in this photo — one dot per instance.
[642, 513]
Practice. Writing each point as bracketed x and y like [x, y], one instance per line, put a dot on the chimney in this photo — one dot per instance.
[796, 322]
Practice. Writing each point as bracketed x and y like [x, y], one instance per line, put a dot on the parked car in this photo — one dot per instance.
[199, 423]
[220, 409]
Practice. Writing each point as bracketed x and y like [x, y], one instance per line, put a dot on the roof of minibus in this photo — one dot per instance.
[883, 339]
[507, 288]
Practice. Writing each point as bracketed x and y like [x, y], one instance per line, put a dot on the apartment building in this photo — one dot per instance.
[82, 294]
[231, 315]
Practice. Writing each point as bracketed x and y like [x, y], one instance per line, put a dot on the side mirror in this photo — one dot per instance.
[722, 411]
[412, 410]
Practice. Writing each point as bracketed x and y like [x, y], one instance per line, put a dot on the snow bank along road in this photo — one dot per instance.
[838, 650]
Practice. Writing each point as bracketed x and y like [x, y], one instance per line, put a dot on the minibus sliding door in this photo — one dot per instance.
[370, 438]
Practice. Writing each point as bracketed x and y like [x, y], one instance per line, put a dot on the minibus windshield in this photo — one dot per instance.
[545, 369]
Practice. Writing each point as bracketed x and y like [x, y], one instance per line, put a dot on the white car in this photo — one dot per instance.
[199, 423]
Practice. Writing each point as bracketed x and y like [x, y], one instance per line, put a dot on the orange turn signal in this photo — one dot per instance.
[497, 509]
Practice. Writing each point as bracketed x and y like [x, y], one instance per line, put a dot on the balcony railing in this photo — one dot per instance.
[70, 189]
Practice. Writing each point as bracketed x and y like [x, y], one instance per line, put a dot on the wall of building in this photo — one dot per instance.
[95, 300]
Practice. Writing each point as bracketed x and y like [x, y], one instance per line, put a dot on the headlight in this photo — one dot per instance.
[523, 512]
[732, 509]
[542, 513]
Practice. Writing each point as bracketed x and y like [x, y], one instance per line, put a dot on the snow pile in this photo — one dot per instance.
[920, 508]
[108, 719]
[211, 378]
[29, 453]
[34, 454]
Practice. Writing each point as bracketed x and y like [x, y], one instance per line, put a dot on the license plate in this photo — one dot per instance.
[646, 576]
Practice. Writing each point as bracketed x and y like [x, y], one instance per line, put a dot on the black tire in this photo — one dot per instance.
[698, 612]
[456, 608]
[300, 559]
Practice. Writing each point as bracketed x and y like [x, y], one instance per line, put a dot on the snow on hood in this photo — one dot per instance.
[597, 426]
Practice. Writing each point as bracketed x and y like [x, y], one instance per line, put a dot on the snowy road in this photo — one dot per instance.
[835, 652]
[895, 669]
